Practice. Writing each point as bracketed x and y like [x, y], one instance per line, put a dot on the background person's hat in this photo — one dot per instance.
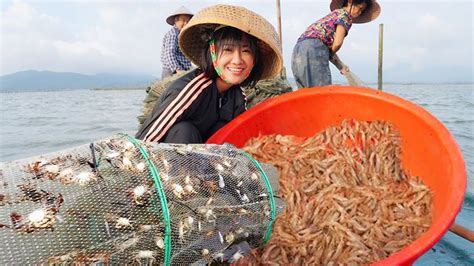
[368, 15]
[194, 37]
[181, 11]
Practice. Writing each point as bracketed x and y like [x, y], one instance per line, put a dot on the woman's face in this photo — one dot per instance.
[358, 9]
[236, 61]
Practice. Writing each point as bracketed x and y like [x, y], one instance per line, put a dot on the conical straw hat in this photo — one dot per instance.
[181, 11]
[194, 37]
[368, 15]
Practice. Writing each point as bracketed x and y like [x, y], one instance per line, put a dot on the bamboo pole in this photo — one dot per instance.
[283, 71]
[279, 23]
[462, 232]
[380, 56]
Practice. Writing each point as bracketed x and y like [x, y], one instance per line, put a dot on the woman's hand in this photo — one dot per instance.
[344, 70]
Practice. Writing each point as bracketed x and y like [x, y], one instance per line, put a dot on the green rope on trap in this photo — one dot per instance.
[163, 202]
[270, 193]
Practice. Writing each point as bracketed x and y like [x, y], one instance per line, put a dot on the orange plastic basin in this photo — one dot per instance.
[428, 149]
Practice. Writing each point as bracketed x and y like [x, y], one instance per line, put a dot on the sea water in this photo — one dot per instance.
[34, 123]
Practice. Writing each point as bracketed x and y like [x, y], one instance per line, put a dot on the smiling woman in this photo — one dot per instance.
[230, 45]
[232, 59]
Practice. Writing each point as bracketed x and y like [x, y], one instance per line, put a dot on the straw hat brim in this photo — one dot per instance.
[181, 11]
[368, 15]
[194, 37]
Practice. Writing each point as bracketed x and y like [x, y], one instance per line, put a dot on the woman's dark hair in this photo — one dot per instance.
[232, 36]
[368, 3]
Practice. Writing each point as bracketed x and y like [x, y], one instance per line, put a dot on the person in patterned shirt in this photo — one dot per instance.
[321, 40]
[172, 58]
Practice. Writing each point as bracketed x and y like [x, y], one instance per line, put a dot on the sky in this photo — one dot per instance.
[423, 41]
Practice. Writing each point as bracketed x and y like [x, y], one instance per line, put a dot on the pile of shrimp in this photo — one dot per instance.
[348, 200]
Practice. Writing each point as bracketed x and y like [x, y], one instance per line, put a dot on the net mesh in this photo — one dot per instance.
[119, 200]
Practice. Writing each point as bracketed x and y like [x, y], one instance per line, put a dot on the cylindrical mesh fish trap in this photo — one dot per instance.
[120, 200]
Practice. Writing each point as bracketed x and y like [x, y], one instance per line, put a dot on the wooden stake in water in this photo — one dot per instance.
[283, 71]
[380, 56]
[279, 23]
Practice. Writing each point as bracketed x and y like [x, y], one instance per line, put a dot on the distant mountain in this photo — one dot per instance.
[32, 80]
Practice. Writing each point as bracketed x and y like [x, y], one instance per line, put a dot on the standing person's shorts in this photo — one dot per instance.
[310, 63]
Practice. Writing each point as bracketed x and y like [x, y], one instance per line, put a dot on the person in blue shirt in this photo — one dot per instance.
[172, 58]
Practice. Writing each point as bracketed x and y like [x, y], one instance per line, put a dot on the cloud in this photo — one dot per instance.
[120, 37]
[110, 15]
[439, 37]
[20, 17]
[126, 36]
[80, 48]
[428, 22]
